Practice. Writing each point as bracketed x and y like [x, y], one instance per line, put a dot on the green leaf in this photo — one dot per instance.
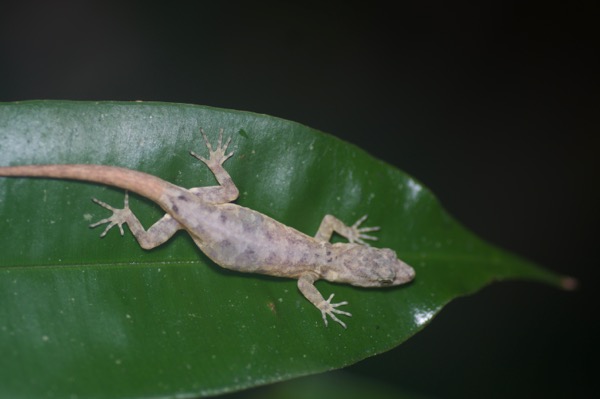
[84, 316]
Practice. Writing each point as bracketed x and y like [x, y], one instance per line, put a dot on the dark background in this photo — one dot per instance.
[492, 105]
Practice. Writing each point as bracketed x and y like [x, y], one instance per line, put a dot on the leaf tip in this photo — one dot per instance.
[569, 283]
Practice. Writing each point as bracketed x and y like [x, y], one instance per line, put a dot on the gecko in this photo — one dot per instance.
[238, 238]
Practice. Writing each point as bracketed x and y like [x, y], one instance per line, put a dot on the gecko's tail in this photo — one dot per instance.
[140, 183]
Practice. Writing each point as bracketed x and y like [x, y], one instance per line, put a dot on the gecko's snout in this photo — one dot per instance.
[404, 273]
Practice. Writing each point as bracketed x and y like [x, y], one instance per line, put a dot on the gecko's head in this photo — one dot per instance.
[365, 266]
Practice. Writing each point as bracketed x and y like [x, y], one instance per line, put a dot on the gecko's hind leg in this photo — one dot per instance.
[157, 234]
[226, 191]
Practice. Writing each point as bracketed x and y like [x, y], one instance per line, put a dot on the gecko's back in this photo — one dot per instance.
[243, 239]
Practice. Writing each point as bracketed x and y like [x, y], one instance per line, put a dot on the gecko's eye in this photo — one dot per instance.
[386, 282]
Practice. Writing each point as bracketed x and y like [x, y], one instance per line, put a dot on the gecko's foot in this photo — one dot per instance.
[328, 309]
[357, 233]
[118, 217]
[217, 156]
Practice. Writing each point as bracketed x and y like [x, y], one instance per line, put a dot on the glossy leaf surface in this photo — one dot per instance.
[84, 316]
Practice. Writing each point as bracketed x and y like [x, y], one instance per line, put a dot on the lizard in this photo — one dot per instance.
[236, 237]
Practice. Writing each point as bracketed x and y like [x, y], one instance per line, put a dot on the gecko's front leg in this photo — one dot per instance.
[157, 234]
[310, 292]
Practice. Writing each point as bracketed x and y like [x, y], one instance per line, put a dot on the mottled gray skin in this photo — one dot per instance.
[239, 238]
